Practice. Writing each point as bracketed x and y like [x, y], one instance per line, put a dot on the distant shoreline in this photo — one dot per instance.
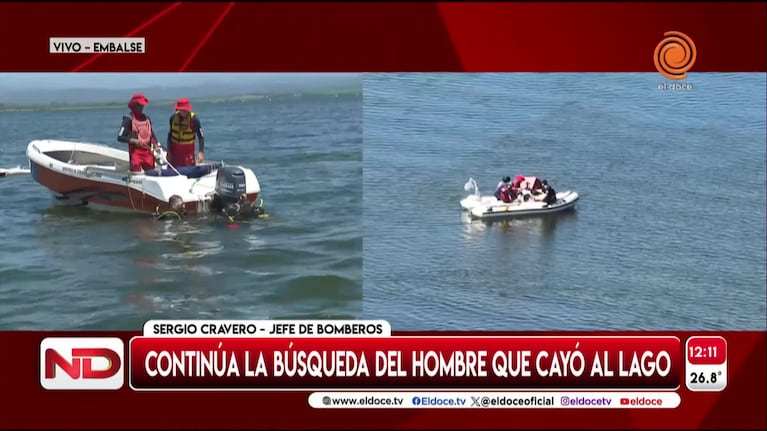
[264, 97]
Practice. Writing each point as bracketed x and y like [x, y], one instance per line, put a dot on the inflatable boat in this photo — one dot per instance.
[527, 202]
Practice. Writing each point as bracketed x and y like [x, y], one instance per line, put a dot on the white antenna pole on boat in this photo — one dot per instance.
[472, 184]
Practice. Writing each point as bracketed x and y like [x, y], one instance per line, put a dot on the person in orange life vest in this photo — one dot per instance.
[137, 132]
[184, 127]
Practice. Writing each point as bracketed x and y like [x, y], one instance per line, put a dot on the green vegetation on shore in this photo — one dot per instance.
[311, 94]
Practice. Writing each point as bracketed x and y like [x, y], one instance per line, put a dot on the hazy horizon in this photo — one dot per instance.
[47, 88]
[118, 80]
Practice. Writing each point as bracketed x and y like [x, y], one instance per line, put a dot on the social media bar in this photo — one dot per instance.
[504, 400]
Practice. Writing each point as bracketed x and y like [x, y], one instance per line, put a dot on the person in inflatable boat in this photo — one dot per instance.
[506, 193]
[551, 194]
[504, 182]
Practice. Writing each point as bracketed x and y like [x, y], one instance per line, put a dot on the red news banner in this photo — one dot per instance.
[176, 371]
[357, 355]
[688, 381]
[311, 355]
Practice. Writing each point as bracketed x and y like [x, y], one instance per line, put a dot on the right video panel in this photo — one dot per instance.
[655, 216]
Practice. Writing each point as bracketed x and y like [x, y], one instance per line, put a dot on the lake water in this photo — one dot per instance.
[77, 268]
[669, 232]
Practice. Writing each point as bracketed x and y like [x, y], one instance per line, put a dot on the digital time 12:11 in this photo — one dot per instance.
[703, 352]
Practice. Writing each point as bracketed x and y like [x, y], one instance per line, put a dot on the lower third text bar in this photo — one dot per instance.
[97, 45]
[497, 400]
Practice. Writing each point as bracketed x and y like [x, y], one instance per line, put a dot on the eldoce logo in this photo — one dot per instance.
[675, 55]
[82, 363]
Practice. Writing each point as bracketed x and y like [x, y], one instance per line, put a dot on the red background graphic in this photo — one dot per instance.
[141, 347]
[23, 398]
[370, 37]
[253, 37]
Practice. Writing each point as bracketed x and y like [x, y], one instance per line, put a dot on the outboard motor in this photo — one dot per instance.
[230, 189]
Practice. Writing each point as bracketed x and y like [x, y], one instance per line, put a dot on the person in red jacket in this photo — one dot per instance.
[185, 129]
[137, 132]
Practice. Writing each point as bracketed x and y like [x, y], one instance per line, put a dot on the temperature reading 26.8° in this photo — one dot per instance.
[706, 364]
[703, 379]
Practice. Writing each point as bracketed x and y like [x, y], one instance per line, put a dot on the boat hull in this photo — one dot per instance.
[96, 175]
[487, 207]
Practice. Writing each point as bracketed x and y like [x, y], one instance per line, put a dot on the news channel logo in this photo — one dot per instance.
[674, 56]
[82, 363]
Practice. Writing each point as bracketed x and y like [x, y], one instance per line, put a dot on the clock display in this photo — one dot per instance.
[706, 350]
[706, 364]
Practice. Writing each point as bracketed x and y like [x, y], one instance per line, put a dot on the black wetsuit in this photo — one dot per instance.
[551, 195]
[241, 209]
[167, 215]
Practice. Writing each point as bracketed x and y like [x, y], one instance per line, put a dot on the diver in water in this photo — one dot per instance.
[177, 209]
[229, 199]
[238, 210]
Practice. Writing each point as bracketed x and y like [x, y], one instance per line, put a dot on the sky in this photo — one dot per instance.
[23, 81]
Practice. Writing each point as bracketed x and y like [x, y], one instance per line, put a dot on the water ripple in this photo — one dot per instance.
[115, 271]
[670, 232]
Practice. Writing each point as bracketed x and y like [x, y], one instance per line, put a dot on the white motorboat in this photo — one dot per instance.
[98, 175]
[526, 204]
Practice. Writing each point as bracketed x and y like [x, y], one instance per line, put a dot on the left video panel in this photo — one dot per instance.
[244, 201]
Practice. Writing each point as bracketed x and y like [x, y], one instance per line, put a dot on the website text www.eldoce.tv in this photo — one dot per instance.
[494, 400]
